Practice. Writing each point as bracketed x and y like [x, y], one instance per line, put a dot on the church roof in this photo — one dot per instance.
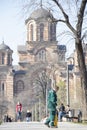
[40, 13]
[3, 46]
[20, 72]
[70, 67]
[22, 48]
[61, 47]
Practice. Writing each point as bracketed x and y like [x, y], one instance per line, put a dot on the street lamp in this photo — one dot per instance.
[68, 100]
[69, 68]
[46, 101]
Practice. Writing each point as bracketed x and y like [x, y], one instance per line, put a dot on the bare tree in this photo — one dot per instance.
[77, 32]
[77, 29]
[62, 92]
[43, 83]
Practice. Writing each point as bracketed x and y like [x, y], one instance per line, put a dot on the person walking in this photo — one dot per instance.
[19, 111]
[62, 112]
[52, 104]
[28, 116]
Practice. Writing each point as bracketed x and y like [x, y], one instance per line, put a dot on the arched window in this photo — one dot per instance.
[31, 32]
[2, 88]
[41, 32]
[52, 31]
[41, 55]
[8, 60]
[3, 58]
[19, 86]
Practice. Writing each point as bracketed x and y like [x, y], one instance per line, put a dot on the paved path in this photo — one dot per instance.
[41, 126]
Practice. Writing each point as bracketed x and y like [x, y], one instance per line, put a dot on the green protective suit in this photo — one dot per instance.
[52, 103]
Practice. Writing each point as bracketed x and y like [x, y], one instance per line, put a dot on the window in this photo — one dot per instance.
[2, 87]
[41, 55]
[52, 31]
[61, 57]
[41, 32]
[31, 32]
[3, 58]
[19, 86]
[8, 60]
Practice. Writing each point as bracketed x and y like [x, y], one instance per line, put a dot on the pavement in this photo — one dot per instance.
[41, 126]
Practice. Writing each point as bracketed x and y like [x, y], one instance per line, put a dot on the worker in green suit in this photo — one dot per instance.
[52, 104]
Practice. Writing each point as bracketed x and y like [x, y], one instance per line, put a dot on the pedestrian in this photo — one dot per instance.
[52, 104]
[4, 118]
[7, 118]
[62, 112]
[68, 113]
[79, 116]
[28, 116]
[19, 111]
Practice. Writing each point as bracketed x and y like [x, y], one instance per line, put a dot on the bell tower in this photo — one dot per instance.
[41, 43]
[5, 55]
[41, 26]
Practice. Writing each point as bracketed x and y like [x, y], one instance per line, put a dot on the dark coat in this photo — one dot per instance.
[52, 100]
[28, 114]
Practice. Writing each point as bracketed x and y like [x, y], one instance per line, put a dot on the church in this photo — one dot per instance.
[41, 52]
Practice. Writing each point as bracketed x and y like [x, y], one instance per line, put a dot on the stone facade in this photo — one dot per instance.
[75, 84]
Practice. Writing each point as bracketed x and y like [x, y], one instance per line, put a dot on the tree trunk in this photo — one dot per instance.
[83, 75]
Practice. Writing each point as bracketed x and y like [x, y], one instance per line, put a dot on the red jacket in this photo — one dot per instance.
[19, 107]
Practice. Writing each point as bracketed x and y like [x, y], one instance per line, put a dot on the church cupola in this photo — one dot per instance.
[5, 54]
[41, 44]
[41, 26]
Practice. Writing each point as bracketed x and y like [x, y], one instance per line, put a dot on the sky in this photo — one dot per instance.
[13, 28]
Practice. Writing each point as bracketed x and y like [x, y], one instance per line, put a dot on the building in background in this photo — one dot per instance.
[41, 52]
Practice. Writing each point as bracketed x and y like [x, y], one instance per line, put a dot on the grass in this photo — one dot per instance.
[0, 122]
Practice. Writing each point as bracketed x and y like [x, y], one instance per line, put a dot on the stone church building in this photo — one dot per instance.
[41, 52]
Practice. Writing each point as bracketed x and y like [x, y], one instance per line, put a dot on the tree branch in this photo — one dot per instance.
[65, 16]
[80, 17]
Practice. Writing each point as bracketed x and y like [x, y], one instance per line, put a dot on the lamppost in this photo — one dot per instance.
[69, 68]
[68, 100]
[46, 101]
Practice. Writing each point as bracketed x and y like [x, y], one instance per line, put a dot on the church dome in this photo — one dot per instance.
[40, 13]
[4, 46]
